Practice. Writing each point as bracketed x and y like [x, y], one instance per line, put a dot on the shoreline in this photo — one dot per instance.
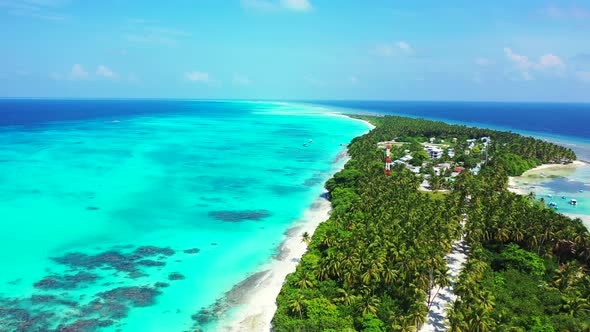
[519, 188]
[258, 308]
[536, 180]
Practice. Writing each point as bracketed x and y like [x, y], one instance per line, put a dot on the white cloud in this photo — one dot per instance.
[483, 62]
[197, 76]
[547, 63]
[388, 50]
[105, 71]
[277, 5]
[242, 80]
[78, 73]
[297, 5]
[550, 61]
[402, 45]
[353, 79]
[40, 9]
[521, 61]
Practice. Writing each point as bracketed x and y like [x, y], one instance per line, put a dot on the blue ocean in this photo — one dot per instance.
[147, 215]
[565, 119]
[144, 215]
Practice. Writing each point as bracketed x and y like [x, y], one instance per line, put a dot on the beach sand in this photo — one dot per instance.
[370, 125]
[445, 297]
[526, 183]
[259, 305]
[531, 181]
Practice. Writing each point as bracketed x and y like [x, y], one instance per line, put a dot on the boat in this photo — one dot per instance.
[553, 205]
[304, 144]
[563, 197]
[573, 202]
[549, 195]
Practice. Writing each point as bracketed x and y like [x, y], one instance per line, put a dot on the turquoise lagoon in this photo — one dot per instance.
[137, 221]
[562, 189]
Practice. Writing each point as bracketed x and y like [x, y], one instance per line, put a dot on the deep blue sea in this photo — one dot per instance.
[567, 119]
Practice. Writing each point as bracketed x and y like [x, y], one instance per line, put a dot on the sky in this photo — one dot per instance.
[501, 50]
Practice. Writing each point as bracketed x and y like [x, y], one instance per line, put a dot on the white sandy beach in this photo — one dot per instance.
[533, 176]
[257, 312]
[260, 305]
[533, 180]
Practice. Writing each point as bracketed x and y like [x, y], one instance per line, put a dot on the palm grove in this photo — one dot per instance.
[374, 264]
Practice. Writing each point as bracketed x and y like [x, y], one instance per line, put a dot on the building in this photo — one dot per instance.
[444, 166]
[451, 153]
[434, 152]
[406, 158]
[414, 169]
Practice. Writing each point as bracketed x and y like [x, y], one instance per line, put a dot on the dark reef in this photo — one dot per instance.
[68, 312]
[176, 276]
[192, 251]
[65, 281]
[238, 216]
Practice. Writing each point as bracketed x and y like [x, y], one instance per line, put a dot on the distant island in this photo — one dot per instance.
[382, 259]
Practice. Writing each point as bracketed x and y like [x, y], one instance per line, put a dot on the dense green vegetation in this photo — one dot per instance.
[373, 265]
[528, 269]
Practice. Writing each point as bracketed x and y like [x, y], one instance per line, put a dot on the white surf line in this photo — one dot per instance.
[437, 313]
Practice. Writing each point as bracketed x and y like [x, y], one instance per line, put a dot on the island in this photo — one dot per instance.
[391, 244]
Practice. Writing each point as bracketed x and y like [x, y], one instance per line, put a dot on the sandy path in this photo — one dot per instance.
[435, 320]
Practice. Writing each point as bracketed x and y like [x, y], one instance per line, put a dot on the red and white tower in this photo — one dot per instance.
[388, 159]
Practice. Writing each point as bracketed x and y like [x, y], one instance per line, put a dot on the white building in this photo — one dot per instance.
[415, 169]
[406, 158]
[434, 152]
[444, 166]
[451, 153]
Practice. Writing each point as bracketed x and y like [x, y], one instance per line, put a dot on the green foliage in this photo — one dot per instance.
[513, 257]
[370, 323]
[514, 164]
[370, 266]
[418, 157]
[324, 316]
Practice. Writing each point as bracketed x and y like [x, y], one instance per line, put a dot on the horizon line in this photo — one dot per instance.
[301, 100]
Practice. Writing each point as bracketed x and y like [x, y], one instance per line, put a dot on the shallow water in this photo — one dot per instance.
[560, 186]
[79, 199]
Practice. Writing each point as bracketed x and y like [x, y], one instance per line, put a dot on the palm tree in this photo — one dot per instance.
[297, 305]
[306, 238]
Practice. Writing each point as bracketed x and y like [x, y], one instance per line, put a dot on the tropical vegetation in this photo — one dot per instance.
[376, 263]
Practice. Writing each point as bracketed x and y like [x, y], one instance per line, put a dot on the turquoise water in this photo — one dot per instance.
[562, 189]
[138, 222]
